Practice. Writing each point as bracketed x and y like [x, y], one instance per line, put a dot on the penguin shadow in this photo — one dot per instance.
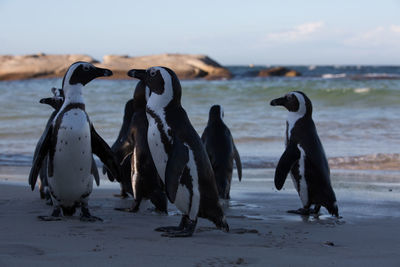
[68, 215]
[237, 210]
[16, 250]
[224, 261]
[322, 219]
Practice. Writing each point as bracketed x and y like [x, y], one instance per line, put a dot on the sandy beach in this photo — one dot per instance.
[262, 233]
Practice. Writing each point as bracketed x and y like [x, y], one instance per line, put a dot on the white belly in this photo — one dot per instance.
[160, 158]
[303, 190]
[156, 147]
[72, 159]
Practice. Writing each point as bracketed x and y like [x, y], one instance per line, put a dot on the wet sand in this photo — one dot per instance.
[262, 233]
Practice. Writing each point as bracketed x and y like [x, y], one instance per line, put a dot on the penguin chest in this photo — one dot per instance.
[157, 146]
[72, 158]
[299, 178]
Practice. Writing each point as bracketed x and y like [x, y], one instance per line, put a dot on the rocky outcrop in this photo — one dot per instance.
[278, 71]
[47, 66]
[37, 66]
[185, 66]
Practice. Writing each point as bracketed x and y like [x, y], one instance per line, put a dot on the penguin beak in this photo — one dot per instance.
[103, 72]
[47, 100]
[55, 102]
[278, 101]
[138, 74]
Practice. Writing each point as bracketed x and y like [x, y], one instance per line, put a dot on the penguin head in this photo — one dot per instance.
[216, 113]
[57, 92]
[296, 102]
[56, 101]
[162, 83]
[82, 73]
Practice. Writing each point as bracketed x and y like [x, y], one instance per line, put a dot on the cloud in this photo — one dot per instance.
[296, 33]
[376, 37]
[395, 28]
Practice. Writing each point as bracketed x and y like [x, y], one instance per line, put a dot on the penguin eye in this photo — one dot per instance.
[153, 72]
[289, 97]
[86, 68]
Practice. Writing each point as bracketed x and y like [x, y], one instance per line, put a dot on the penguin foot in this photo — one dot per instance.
[55, 215]
[87, 217]
[134, 210]
[301, 211]
[182, 225]
[122, 195]
[169, 229]
[185, 229]
[49, 218]
[90, 218]
[183, 233]
[159, 211]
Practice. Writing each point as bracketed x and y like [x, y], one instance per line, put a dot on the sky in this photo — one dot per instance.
[341, 32]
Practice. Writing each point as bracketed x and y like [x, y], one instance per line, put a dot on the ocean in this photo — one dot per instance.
[356, 110]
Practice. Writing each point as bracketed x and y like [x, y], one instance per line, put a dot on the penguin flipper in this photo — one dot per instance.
[288, 158]
[95, 172]
[236, 156]
[43, 148]
[174, 169]
[104, 152]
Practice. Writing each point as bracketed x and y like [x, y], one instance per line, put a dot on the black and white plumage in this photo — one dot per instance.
[304, 157]
[122, 148]
[221, 151]
[179, 154]
[139, 174]
[55, 102]
[68, 144]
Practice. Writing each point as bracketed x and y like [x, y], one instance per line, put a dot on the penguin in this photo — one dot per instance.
[221, 151]
[68, 143]
[55, 102]
[122, 147]
[178, 153]
[144, 179]
[304, 157]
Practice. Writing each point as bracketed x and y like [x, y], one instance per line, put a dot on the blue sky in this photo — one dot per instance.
[231, 32]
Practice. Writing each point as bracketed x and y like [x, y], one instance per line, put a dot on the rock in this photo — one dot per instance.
[47, 66]
[278, 71]
[184, 65]
[37, 66]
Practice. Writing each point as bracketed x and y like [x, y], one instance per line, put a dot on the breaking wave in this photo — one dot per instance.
[364, 162]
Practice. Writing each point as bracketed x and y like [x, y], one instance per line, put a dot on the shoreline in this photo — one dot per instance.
[261, 232]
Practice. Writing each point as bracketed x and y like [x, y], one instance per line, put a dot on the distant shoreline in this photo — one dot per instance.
[186, 66]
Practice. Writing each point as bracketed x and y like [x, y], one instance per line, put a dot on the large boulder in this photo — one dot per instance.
[48, 66]
[37, 66]
[185, 66]
[278, 71]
